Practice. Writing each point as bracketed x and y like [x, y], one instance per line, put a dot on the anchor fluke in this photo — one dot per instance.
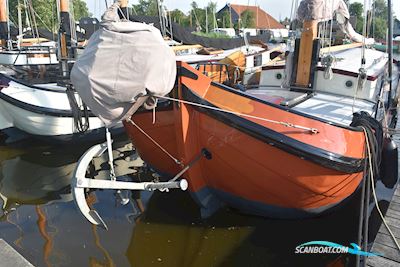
[80, 183]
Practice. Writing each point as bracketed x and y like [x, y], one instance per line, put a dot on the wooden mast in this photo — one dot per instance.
[3, 23]
[123, 9]
[64, 37]
[304, 63]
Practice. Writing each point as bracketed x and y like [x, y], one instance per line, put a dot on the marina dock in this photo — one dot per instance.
[383, 243]
[10, 257]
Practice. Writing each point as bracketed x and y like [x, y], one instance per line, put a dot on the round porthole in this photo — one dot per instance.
[349, 84]
[279, 76]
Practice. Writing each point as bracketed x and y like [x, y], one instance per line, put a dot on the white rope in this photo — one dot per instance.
[287, 124]
[154, 141]
[374, 192]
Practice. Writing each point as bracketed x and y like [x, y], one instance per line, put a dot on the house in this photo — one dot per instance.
[263, 21]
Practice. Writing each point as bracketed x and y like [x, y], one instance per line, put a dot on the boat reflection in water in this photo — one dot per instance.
[40, 220]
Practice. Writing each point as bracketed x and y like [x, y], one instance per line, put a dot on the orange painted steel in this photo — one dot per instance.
[242, 165]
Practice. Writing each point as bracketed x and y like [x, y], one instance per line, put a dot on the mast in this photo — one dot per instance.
[390, 48]
[3, 23]
[306, 52]
[64, 38]
[123, 12]
[20, 32]
[206, 20]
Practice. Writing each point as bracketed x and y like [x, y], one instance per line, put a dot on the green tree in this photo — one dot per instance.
[380, 27]
[45, 12]
[225, 20]
[247, 19]
[146, 8]
[380, 9]
[380, 20]
[212, 20]
[179, 17]
[356, 10]
[80, 9]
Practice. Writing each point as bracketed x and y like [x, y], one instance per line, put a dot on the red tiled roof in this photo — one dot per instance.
[262, 19]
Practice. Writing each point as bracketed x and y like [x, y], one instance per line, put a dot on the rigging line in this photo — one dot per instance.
[286, 124]
[154, 142]
[37, 15]
[331, 32]
[364, 35]
[374, 191]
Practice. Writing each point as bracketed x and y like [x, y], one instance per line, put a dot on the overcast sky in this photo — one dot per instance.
[277, 8]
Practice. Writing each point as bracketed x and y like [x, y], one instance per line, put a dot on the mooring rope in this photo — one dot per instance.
[287, 124]
[371, 171]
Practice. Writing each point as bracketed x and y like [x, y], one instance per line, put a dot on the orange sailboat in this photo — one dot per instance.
[277, 150]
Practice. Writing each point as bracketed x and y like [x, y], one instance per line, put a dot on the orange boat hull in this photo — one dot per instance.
[249, 169]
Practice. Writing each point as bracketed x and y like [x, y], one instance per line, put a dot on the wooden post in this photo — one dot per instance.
[64, 6]
[310, 31]
[64, 38]
[123, 5]
[3, 23]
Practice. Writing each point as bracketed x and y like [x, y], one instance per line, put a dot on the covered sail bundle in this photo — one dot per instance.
[324, 10]
[123, 61]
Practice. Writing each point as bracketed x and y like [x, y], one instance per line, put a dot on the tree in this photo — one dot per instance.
[45, 12]
[225, 20]
[179, 17]
[212, 20]
[80, 9]
[146, 8]
[247, 19]
[380, 9]
[380, 28]
[356, 10]
[380, 20]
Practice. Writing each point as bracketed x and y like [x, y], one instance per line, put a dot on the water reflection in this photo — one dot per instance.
[42, 222]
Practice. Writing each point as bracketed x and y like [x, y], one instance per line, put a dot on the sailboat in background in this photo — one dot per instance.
[49, 111]
[25, 52]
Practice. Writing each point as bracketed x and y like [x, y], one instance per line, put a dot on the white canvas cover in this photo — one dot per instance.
[323, 10]
[122, 61]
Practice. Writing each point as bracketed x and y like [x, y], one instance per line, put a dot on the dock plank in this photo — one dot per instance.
[385, 240]
[10, 257]
[394, 206]
[392, 222]
[387, 252]
[380, 261]
[395, 230]
[393, 214]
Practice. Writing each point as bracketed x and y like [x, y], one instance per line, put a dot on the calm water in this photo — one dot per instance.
[40, 220]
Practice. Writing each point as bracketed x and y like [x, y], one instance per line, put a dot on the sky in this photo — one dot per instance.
[279, 9]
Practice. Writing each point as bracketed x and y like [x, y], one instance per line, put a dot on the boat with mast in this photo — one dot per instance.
[25, 51]
[52, 112]
[230, 145]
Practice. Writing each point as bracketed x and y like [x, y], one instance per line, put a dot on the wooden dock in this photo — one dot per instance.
[383, 243]
[10, 257]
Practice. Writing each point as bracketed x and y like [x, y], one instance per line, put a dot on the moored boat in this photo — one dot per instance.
[52, 112]
[286, 150]
[274, 150]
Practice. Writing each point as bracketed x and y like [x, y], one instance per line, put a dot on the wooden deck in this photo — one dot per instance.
[10, 257]
[383, 242]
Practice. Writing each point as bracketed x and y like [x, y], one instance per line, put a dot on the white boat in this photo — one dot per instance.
[33, 55]
[44, 111]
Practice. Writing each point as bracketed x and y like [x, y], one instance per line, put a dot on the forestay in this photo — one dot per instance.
[123, 61]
